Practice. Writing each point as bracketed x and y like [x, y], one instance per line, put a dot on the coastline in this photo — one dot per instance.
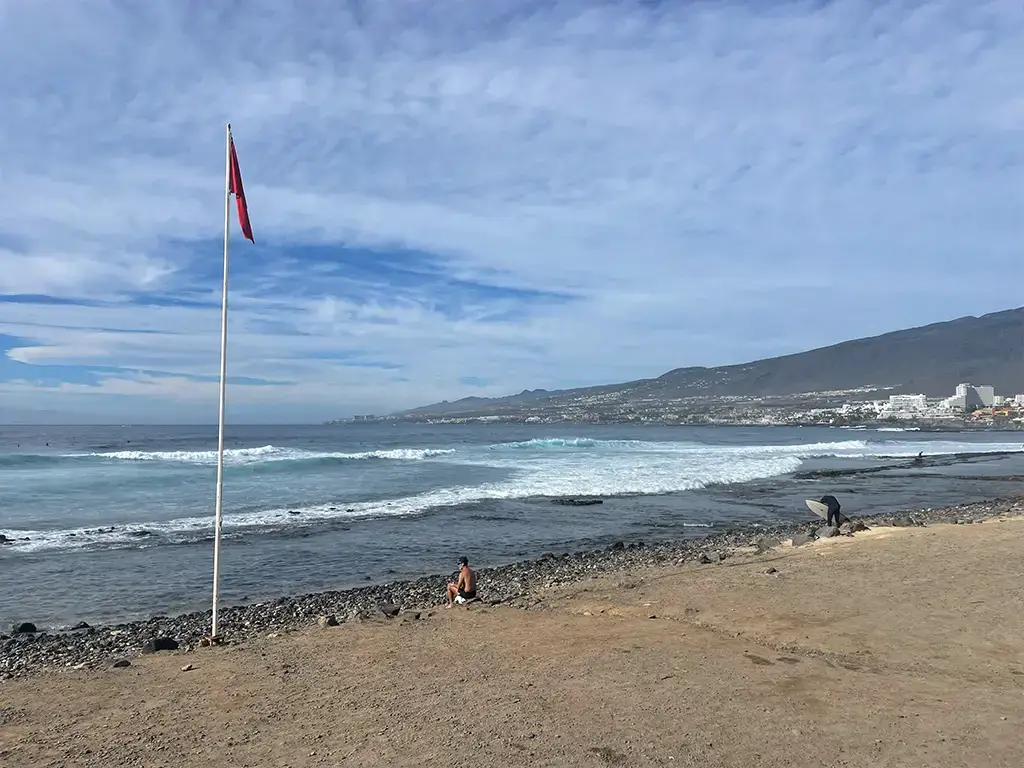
[515, 585]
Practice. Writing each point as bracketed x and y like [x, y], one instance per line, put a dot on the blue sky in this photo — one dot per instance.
[468, 198]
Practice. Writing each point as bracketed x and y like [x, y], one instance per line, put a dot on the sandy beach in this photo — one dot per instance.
[899, 646]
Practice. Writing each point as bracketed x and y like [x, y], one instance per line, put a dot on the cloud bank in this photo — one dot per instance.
[454, 198]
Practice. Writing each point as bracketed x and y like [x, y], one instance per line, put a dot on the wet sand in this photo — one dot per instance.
[900, 646]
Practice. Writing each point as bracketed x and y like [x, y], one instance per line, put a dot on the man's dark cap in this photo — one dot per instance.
[463, 561]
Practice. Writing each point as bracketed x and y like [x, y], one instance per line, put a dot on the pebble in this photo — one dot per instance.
[27, 652]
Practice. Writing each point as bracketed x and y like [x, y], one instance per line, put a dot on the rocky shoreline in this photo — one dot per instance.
[25, 651]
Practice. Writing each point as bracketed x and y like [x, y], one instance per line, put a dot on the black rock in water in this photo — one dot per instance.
[160, 644]
[5, 540]
[577, 502]
[80, 625]
[24, 628]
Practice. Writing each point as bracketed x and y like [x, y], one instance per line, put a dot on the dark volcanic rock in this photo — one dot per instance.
[5, 540]
[327, 621]
[803, 537]
[710, 557]
[389, 609]
[578, 502]
[80, 625]
[24, 628]
[853, 527]
[160, 644]
[120, 663]
[825, 532]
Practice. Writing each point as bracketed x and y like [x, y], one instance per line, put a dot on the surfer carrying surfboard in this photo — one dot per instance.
[835, 517]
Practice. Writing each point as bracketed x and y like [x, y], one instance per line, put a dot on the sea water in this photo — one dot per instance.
[109, 523]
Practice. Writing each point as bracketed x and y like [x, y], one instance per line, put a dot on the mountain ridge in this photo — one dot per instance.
[929, 359]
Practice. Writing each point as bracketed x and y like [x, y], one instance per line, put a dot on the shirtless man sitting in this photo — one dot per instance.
[465, 588]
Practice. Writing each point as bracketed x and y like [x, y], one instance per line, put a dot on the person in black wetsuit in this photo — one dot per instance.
[835, 517]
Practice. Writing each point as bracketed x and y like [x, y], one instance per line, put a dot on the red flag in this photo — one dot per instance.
[235, 188]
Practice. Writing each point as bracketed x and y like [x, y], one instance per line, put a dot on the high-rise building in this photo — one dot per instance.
[968, 395]
[987, 395]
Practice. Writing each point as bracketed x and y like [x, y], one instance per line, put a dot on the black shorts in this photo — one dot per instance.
[467, 595]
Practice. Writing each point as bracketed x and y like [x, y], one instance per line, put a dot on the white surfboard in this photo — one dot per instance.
[821, 510]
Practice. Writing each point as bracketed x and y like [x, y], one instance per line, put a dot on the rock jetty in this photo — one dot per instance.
[26, 649]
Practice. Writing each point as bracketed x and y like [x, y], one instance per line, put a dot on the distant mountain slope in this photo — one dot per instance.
[931, 359]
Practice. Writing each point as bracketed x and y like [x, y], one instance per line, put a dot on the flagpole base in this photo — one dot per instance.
[212, 640]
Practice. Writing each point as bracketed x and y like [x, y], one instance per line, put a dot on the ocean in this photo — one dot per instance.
[115, 523]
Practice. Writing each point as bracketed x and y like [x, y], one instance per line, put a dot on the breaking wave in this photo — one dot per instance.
[532, 469]
[612, 476]
[269, 453]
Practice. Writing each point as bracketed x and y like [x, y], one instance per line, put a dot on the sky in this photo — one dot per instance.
[454, 198]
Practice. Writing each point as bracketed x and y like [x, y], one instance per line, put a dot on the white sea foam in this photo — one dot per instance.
[567, 466]
[559, 442]
[604, 475]
[268, 453]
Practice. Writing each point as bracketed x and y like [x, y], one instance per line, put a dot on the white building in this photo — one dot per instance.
[908, 402]
[904, 407]
[987, 395]
[968, 395]
[954, 404]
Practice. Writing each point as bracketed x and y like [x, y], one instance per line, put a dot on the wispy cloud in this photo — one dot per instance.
[457, 198]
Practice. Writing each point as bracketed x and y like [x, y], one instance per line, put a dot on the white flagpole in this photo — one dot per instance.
[223, 382]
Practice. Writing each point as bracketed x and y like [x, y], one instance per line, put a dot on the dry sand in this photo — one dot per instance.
[901, 647]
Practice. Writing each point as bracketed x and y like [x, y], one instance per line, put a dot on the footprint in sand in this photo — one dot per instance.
[760, 661]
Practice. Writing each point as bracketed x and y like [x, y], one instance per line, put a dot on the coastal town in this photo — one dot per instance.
[968, 406]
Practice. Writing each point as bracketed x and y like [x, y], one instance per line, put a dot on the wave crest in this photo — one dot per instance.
[271, 453]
